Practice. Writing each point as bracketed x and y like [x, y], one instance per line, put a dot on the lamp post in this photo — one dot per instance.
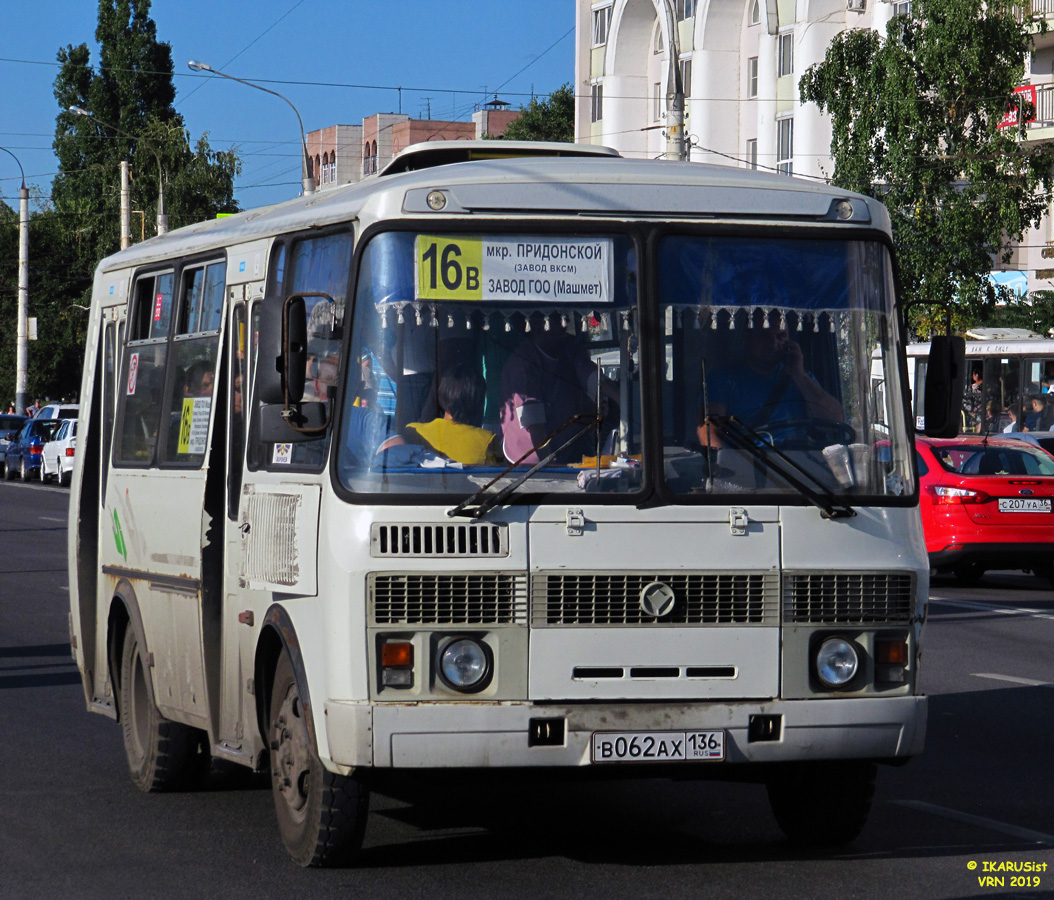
[22, 347]
[674, 91]
[306, 170]
[162, 217]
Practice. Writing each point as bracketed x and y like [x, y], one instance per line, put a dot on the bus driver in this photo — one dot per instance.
[770, 386]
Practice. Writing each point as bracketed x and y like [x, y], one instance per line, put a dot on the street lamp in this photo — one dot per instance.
[162, 218]
[22, 347]
[306, 173]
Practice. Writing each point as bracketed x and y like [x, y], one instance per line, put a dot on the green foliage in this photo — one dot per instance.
[551, 119]
[915, 119]
[130, 96]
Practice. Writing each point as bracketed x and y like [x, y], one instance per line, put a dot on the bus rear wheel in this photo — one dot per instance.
[321, 815]
[162, 754]
[822, 804]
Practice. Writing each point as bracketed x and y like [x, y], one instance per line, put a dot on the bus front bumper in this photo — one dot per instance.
[499, 735]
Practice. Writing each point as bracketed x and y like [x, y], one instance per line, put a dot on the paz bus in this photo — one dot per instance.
[443, 471]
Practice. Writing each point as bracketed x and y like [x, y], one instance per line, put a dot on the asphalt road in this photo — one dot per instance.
[73, 826]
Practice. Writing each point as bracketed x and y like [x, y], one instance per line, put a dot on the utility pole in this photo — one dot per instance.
[126, 207]
[22, 353]
[674, 91]
[22, 325]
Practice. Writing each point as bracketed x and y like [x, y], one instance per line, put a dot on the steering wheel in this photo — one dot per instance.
[808, 434]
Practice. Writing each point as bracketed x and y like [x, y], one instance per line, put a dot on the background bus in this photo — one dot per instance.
[444, 470]
[1006, 370]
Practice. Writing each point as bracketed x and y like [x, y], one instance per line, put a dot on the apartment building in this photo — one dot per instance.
[740, 61]
[343, 154]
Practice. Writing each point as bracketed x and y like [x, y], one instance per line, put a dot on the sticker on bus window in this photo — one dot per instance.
[546, 269]
[133, 372]
[283, 454]
[158, 303]
[194, 425]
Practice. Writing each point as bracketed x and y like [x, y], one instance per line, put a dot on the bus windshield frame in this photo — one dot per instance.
[639, 338]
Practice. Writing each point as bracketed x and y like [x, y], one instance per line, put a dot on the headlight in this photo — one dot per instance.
[837, 662]
[464, 664]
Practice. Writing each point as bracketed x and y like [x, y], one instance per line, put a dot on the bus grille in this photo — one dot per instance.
[476, 598]
[822, 598]
[455, 539]
[713, 598]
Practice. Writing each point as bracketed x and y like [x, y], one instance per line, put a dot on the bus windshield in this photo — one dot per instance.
[471, 354]
[767, 348]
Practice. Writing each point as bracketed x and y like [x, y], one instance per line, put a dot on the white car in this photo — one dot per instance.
[57, 458]
[59, 411]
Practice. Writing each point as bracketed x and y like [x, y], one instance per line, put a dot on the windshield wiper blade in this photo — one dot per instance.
[484, 503]
[746, 438]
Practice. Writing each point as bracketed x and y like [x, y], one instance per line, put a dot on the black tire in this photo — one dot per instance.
[822, 804]
[321, 815]
[42, 472]
[65, 475]
[969, 572]
[162, 754]
[23, 472]
[9, 474]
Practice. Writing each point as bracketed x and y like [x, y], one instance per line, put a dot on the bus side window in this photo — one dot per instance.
[240, 381]
[195, 349]
[141, 386]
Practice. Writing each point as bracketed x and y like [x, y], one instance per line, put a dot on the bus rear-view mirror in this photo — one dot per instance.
[945, 380]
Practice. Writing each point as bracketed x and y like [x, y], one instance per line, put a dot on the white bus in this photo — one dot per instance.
[449, 470]
[1005, 369]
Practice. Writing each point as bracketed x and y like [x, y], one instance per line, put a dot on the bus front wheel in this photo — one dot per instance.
[822, 804]
[321, 815]
[162, 754]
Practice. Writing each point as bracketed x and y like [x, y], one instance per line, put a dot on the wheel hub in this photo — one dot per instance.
[291, 753]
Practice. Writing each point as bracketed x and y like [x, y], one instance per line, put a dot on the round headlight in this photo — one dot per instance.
[464, 665]
[837, 662]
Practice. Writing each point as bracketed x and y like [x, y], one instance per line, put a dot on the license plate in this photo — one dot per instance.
[658, 746]
[1024, 504]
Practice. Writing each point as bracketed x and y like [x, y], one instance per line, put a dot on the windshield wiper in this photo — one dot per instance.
[743, 437]
[484, 503]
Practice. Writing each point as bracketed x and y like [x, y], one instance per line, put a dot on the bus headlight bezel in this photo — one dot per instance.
[447, 672]
[837, 662]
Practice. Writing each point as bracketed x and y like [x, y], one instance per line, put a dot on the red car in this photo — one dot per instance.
[987, 503]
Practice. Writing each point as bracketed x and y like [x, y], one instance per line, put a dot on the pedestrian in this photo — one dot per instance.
[11, 408]
[34, 409]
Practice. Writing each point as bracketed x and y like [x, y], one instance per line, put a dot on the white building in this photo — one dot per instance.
[740, 62]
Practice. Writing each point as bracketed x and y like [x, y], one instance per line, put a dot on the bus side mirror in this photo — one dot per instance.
[294, 347]
[945, 381]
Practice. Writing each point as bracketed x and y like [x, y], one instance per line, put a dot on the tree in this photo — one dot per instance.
[551, 119]
[132, 90]
[916, 122]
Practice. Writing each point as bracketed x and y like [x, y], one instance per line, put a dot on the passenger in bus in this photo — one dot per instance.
[770, 386]
[1013, 412]
[457, 433]
[1042, 416]
[548, 379]
[198, 380]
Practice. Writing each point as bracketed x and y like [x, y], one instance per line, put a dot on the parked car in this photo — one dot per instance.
[23, 453]
[1044, 439]
[57, 458]
[987, 503]
[58, 411]
[10, 425]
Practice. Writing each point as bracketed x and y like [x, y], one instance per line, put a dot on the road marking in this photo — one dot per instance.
[50, 519]
[980, 821]
[991, 607]
[1029, 681]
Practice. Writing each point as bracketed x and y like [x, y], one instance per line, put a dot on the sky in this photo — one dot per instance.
[337, 61]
